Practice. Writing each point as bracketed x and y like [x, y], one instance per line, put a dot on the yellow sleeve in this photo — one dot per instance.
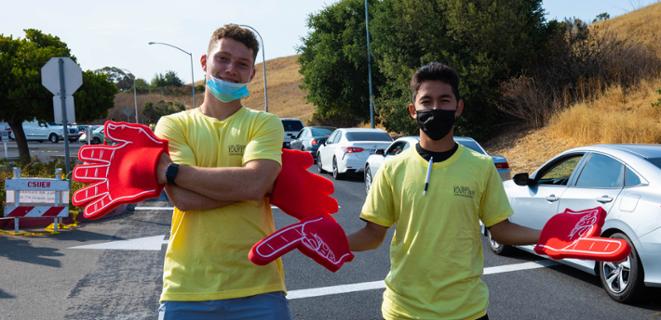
[494, 205]
[265, 139]
[379, 207]
[173, 130]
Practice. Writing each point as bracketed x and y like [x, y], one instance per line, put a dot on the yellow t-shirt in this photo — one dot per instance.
[436, 252]
[207, 255]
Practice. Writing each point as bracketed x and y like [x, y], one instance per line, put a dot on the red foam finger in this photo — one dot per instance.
[89, 193]
[87, 173]
[276, 244]
[575, 234]
[96, 153]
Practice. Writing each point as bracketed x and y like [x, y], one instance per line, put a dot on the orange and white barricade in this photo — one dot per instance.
[36, 198]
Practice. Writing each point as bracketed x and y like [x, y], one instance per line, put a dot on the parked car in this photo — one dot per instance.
[292, 127]
[97, 135]
[623, 179]
[346, 150]
[310, 138]
[40, 131]
[374, 162]
[4, 130]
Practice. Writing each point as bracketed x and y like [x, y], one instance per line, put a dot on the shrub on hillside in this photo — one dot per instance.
[581, 64]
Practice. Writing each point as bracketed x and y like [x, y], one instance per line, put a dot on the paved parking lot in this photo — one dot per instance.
[115, 273]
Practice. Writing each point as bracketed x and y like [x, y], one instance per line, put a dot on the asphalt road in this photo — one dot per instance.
[44, 151]
[45, 278]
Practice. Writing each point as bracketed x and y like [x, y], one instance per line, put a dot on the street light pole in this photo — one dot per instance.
[135, 96]
[369, 66]
[266, 97]
[191, 64]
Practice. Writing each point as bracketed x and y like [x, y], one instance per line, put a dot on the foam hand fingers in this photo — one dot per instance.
[276, 244]
[299, 192]
[87, 173]
[325, 242]
[96, 153]
[575, 234]
[131, 133]
[89, 193]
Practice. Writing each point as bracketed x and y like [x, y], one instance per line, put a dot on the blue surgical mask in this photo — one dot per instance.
[226, 91]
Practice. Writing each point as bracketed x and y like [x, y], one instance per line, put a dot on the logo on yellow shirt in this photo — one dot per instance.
[236, 149]
[463, 191]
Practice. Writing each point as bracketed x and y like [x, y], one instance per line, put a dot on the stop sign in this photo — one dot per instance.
[50, 76]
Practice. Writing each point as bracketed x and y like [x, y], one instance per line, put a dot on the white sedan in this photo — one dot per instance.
[374, 162]
[346, 150]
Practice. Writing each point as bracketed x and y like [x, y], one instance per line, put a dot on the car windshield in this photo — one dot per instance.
[320, 132]
[368, 136]
[655, 161]
[292, 125]
[471, 145]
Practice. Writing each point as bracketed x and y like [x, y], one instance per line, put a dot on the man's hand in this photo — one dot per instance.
[121, 173]
[320, 238]
[575, 234]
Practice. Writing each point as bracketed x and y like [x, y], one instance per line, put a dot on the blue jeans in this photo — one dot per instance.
[266, 306]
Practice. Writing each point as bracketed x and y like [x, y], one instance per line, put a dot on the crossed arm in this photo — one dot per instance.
[199, 188]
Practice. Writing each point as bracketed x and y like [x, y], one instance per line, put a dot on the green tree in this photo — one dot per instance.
[333, 61]
[485, 41]
[170, 78]
[22, 96]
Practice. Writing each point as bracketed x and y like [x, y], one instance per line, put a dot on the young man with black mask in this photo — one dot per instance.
[436, 194]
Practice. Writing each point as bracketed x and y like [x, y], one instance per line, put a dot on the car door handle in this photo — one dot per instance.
[605, 199]
[552, 198]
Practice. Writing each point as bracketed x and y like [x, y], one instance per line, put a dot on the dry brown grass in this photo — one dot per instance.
[643, 25]
[616, 117]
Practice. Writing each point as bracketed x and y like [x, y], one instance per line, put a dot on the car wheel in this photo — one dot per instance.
[495, 246]
[53, 138]
[368, 179]
[336, 172]
[320, 169]
[96, 140]
[623, 281]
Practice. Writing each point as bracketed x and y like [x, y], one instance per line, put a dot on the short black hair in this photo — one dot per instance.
[435, 71]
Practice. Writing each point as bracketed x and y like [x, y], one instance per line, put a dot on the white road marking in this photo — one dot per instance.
[171, 208]
[153, 243]
[375, 285]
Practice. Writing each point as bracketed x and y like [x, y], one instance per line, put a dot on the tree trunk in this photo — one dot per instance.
[21, 141]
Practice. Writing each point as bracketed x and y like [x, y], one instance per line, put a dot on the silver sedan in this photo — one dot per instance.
[623, 179]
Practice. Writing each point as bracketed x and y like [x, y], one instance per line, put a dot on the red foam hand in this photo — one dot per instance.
[319, 238]
[300, 193]
[120, 173]
[575, 234]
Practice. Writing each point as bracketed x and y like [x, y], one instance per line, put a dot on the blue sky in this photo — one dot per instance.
[116, 33]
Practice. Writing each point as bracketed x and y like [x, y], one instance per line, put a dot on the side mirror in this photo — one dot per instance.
[380, 151]
[522, 179]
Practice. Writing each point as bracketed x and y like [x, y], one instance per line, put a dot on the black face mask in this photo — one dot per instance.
[435, 123]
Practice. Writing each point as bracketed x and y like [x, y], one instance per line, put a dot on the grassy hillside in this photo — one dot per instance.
[642, 25]
[615, 117]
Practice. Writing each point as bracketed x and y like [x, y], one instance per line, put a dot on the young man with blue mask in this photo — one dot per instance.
[215, 148]
[435, 195]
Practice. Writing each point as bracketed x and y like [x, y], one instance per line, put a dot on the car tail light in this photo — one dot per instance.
[314, 141]
[502, 165]
[352, 149]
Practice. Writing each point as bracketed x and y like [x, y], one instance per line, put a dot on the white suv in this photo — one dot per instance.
[292, 127]
[40, 131]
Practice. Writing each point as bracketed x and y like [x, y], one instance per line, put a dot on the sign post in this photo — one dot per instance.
[62, 77]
